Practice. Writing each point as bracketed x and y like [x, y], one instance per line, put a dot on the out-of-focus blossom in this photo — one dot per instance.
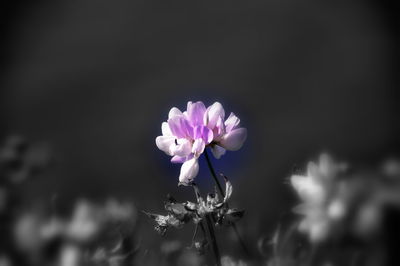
[336, 202]
[376, 195]
[89, 224]
[89, 219]
[85, 222]
[116, 256]
[186, 134]
[119, 211]
[70, 255]
[27, 233]
[315, 190]
[391, 168]
[229, 261]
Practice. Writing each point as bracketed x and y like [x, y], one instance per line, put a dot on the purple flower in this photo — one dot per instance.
[185, 135]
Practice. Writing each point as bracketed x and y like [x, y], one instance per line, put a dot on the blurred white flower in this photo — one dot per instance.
[52, 228]
[316, 190]
[335, 202]
[379, 195]
[337, 209]
[229, 261]
[85, 222]
[26, 232]
[70, 256]
[89, 219]
[116, 211]
[368, 219]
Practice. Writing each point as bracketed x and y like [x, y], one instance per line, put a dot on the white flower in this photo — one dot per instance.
[317, 189]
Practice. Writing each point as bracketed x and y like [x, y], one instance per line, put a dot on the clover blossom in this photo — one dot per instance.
[186, 134]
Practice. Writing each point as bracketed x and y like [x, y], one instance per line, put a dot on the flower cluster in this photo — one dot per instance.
[186, 134]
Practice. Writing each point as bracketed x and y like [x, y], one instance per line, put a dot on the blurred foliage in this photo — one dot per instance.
[346, 216]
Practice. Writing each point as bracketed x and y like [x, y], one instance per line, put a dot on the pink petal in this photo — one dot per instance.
[189, 171]
[234, 140]
[182, 148]
[198, 147]
[219, 129]
[166, 131]
[174, 112]
[204, 133]
[217, 151]
[195, 113]
[166, 143]
[180, 127]
[232, 122]
[208, 135]
[212, 114]
[178, 159]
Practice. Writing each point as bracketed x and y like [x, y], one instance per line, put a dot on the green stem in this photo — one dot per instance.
[214, 175]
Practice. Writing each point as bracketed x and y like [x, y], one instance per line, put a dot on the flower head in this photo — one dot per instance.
[186, 134]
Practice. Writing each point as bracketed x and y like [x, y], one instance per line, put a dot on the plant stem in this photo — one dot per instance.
[214, 175]
[203, 230]
[244, 247]
[213, 240]
[195, 233]
[210, 231]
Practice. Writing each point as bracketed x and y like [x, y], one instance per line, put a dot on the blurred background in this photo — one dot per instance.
[93, 80]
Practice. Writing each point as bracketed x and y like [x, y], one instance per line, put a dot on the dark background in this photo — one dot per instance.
[94, 79]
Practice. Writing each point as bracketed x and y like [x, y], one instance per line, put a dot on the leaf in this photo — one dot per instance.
[196, 191]
[191, 206]
[228, 189]
[151, 215]
[164, 221]
[176, 209]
